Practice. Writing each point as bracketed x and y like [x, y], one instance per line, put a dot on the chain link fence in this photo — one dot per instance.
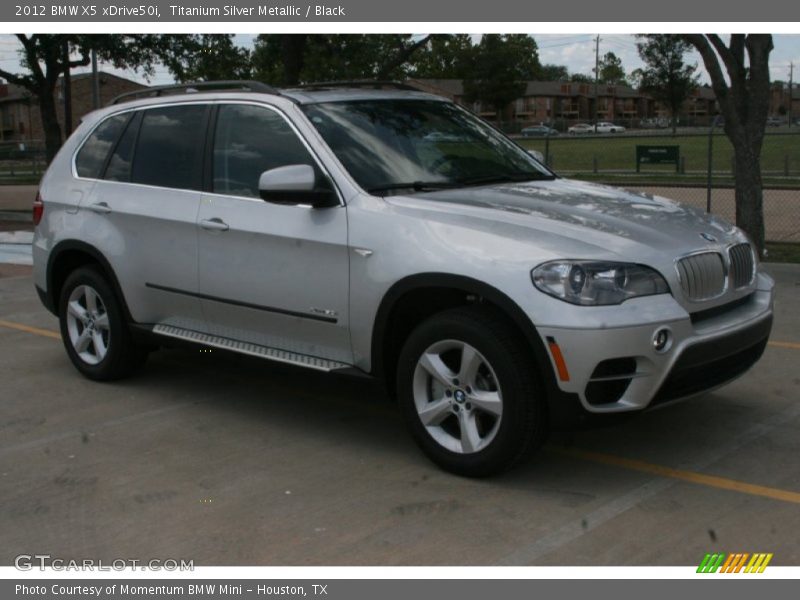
[694, 167]
[21, 162]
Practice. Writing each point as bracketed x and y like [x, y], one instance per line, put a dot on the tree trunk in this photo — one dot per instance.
[749, 192]
[52, 130]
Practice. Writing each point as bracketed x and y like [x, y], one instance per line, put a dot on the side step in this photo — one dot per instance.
[284, 356]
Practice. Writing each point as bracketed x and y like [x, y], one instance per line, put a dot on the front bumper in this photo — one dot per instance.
[618, 370]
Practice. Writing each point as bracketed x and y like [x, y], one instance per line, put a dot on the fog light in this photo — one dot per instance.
[661, 340]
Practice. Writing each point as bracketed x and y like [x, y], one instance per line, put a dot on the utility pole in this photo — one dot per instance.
[596, 80]
[791, 96]
[95, 82]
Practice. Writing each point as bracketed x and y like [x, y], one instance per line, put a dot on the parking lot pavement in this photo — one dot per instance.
[228, 460]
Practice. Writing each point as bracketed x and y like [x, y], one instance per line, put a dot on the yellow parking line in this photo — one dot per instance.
[791, 345]
[28, 329]
[722, 483]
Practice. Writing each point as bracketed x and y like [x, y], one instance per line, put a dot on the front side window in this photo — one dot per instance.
[92, 156]
[405, 144]
[249, 140]
[169, 148]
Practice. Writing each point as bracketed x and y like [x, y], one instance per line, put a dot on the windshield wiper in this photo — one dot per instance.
[504, 178]
[417, 186]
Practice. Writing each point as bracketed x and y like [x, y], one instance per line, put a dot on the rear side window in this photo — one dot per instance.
[92, 156]
[119, 166]
[169, 148]
[248, 141]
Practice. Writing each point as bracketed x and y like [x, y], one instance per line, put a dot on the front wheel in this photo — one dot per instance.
[469, 392]
[93, 328]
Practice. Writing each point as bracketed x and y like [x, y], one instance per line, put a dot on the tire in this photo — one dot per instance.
[94, 330]
[468, 373]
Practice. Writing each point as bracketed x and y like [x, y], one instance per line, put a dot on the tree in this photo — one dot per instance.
[553, 73]
[290, 59]
[743, 99]
[47, 57]
[444, 57]
[501, 66]
[611, 70]
[209, 57]
[666, 77]
[581, 78]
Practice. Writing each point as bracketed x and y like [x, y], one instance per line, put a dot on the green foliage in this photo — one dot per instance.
[611, 70]
[284, 59]
[444, 57]
[554, 73]
[501, 64]
[666, 77]
[209, 57]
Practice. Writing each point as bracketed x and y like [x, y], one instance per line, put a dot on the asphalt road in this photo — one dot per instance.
[231, 461]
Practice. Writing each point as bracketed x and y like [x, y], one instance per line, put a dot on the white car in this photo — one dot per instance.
[581, 128]
[609, 128]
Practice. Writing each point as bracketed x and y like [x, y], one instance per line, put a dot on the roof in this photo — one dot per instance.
[335, 94]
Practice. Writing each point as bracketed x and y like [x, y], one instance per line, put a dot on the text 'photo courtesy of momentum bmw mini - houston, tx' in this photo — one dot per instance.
[383, 231]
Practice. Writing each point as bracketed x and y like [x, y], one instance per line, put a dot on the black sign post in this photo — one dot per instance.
[658, 155]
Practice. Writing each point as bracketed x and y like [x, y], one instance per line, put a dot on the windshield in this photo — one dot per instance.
[413, 145]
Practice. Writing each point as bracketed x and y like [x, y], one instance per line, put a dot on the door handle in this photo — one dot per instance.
[100, 208]
[215, 224]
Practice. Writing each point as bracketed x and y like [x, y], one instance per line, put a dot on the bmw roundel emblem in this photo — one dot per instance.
[708, 237]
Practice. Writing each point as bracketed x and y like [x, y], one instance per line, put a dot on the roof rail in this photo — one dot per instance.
[194, 87]
[356, 83]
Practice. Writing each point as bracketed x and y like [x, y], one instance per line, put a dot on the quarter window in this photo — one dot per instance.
[93, 154]
[248, 141]
[169, 149]
[119, 166]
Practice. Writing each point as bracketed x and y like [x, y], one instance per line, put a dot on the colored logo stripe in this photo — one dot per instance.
[734, 563]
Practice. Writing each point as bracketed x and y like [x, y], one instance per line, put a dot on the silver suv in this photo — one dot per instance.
[392, 233]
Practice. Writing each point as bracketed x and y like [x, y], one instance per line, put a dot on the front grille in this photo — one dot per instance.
[742, 265]
[702, 276]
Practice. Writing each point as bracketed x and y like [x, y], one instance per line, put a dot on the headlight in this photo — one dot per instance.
[590, 283]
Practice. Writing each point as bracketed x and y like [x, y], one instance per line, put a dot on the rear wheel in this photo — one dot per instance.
[93, 328]
[469, 392]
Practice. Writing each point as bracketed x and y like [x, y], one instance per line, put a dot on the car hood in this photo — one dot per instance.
[606, 218]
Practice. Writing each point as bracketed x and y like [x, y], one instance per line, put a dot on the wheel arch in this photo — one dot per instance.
[444, 290]
[68, 255]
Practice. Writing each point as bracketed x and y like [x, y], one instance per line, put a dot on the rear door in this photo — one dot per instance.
[143, 212]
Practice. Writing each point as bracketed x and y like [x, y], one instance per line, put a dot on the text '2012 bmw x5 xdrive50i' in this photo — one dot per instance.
[392, 232]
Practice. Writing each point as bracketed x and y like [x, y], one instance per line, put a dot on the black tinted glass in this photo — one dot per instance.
[169, 149]
[119, 167]
[248, 141]
[93, 154]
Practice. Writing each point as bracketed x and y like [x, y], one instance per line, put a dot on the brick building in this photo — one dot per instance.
[19, 112]
[566, 103]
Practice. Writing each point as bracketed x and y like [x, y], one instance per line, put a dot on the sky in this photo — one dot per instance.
[575, 51]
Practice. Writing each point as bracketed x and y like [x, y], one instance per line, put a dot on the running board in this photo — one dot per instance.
[284, 356]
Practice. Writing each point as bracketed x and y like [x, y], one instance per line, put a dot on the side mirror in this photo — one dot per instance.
[296, 184]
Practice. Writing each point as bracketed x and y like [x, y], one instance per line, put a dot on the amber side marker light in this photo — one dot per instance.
[558, 358]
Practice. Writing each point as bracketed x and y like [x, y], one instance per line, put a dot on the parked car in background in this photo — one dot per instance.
[581, 128]
[654, 123]
[538, 131]
[605, 127]
[774, 121]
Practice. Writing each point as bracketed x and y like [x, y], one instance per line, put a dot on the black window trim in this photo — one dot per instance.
[212, 105]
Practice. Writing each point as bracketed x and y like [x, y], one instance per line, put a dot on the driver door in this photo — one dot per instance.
[271, 274]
